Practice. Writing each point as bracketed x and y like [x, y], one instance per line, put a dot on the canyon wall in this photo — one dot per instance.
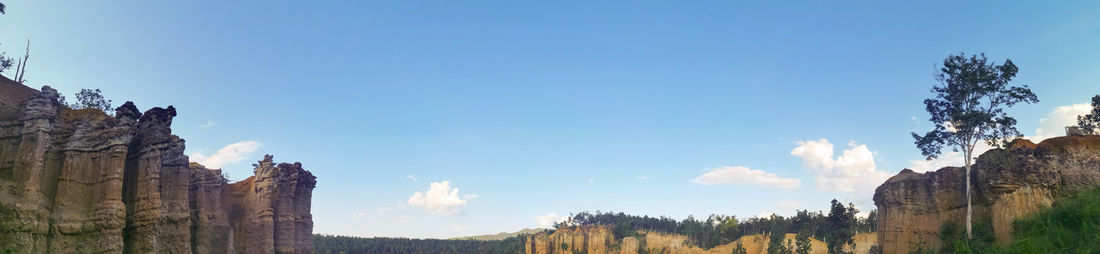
[600, 240]
[81, 181]
[1008, 184]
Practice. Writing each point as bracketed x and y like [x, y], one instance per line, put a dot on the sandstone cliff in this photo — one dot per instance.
[600, 240]
[1008, 183]
[81, 181]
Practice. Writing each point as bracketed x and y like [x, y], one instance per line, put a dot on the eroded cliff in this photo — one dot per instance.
[600, 240]
[1008, 184]
[81, 181]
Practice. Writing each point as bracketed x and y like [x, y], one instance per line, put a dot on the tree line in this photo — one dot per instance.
[332, 244]
[835, 228]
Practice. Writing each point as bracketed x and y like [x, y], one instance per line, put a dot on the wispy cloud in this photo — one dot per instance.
[548, 220]
[207, 124]
[745, 176]
[412, 177]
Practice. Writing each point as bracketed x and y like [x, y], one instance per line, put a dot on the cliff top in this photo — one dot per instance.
[1057, 145]
[13, 92]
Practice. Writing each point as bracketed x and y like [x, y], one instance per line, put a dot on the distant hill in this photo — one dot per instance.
[500, 236]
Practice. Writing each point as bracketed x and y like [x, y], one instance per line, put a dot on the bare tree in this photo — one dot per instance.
[21, 67]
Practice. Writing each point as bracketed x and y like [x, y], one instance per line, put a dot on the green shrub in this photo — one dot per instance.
[1069, 226]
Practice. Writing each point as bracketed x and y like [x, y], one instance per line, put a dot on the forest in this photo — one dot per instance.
[331, 244]
[840, 224]
[836, 228]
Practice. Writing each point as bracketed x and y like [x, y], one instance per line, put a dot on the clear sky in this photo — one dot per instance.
[520, 112]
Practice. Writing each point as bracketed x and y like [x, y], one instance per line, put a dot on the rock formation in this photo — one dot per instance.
[1008, 184]
[600, 240]
[81, 181]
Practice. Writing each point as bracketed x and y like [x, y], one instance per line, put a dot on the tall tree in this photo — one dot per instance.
[969, 107]
[1090, 123]
[802, 241]
[841, 226]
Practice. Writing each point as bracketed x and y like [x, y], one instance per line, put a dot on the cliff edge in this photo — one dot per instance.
[81, 181]
[1009, 183]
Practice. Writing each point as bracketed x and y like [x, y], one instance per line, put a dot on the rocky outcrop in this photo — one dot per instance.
[269, 212]
[600, 240]
[81, 181]
[1008, 184]
[592, 240]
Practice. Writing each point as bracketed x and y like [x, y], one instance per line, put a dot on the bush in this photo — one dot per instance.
[1070, 226]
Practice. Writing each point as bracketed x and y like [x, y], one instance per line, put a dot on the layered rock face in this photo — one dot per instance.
[600, 240]
[80, 181]
[591, 240]
[1008, 184]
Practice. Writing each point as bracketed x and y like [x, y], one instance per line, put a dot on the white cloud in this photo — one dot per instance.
[1052, 125]
[947, 159]
[863, 213]
[411, 177]
[548, 220]
[591, 180]
[440, 198]
[853, 171]
[641, 178]
[207, 124]
[742, 175]
[229, 154]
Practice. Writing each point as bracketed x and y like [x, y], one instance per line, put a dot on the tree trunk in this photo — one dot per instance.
[968, 209]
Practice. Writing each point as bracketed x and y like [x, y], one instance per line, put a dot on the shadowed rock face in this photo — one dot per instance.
[1008, 184]
[82, 181]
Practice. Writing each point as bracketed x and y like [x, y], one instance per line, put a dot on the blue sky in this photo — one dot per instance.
[542, 109]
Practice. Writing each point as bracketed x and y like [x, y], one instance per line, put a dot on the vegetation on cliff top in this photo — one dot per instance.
[1070, 226]
[1090, 123]
[836, 228]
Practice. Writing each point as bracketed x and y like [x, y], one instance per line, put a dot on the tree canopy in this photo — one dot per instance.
[1090, 123]
[91, 98]
[969, 107]
[720, 229]
[842, 226]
